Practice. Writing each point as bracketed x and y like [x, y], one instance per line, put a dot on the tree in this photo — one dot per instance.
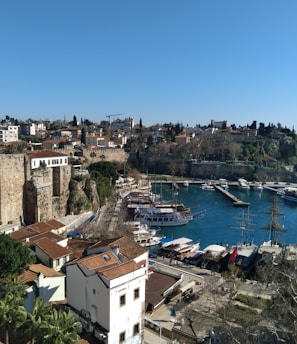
[74, 122]
[12, 314]
[14, 285]
[14, 256]
[62, 328]
[37, 320]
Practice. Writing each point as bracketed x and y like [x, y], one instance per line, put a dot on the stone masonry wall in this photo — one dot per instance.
[12, 180]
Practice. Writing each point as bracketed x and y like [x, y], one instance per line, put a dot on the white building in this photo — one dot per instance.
[45, 282]
[107, 289]
[9, 134]
[47, 158]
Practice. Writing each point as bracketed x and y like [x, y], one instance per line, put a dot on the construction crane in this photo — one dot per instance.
[108, 116]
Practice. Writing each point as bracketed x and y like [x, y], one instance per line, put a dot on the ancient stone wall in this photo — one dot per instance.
[47, 193]
[12, 181]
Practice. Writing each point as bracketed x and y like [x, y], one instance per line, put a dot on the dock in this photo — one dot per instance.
[236, 201]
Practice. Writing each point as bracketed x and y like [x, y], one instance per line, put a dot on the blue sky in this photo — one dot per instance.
[159, 60]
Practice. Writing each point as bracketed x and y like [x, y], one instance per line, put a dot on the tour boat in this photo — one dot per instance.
[178, 248]
[162, 217]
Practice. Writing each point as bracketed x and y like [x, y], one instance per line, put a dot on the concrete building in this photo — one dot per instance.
[47, 158]
[45, 282]
[9, 134]
[106, 288]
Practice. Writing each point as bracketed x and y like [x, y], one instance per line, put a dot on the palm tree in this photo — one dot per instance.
[13, 284]
[12, 314]
[62, 328]
[37, 319]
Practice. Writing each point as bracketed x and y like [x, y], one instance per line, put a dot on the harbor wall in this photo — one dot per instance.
[216, 170]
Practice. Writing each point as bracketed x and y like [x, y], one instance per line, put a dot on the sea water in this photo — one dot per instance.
[221, 221]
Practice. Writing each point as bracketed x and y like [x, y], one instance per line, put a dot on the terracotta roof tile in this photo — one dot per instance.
[128, 247]
[45, 154]
[52, 249]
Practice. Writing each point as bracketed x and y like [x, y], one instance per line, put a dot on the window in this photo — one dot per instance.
[122, 337]
[136, 293]
[136, 329]
[122, 300]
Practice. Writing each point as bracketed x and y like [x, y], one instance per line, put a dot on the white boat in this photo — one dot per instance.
[186, 183]
[178, 248]
[243, 184]
[161, 217]
[214, 257]
[207, 186]
[223, 183]
[290, 194]
[258, 186]
[143, 234]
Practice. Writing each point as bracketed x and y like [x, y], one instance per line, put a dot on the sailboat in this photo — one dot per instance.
[244, 253]
[273, 246]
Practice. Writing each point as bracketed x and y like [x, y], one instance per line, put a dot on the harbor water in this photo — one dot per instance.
[221, 221]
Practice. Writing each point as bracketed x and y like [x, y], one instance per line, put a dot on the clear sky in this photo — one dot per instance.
[186, 61]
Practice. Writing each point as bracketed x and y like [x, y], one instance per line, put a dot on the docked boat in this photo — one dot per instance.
[244, 254]
[162, 217]
[214, 257]
[143, 234]
[223, 183]
[186, 183]
[258, 186]
[289, 194]
[273, 245]
[178, 248]
[243, 184]
[208, 187]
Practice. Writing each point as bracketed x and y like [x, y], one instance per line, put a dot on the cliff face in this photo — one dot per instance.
[83, 196]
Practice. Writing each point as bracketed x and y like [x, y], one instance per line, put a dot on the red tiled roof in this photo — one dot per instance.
[128, 248]
[45, 154]
[52, 249]
[41, 227]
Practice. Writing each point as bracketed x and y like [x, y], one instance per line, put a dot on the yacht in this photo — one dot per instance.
[223, 183]
[207, 186]
[162, 217]
[258, 186]
[243, 184]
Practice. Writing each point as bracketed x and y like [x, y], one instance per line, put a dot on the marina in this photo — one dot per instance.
[215, 225]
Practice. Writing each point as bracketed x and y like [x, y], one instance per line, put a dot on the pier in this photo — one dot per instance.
[236, 201]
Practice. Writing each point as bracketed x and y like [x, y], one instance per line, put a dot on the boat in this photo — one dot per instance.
[258, 186]
[186, 183]
[244, 253]
[223, 183]
[243, 184]
[177, 248]
[289, 194]
[273, 245]
[143, 234]
[207, 186]
[214, 257]
[162, 217]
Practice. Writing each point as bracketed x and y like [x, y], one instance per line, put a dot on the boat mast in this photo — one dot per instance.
[274, 226]
[244, 226]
